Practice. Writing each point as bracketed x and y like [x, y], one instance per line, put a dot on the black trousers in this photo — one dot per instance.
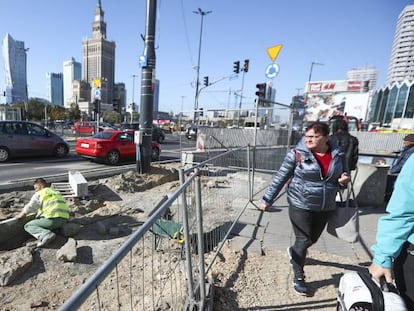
[404, 274]
[308, 227]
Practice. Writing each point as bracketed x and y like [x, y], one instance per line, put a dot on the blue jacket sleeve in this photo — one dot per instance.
[284, 173]
[397, 227]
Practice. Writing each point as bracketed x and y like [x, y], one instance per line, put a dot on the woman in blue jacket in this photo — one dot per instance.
[314, 170]
[394, 250]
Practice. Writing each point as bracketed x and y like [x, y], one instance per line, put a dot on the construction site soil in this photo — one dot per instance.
[242, 281]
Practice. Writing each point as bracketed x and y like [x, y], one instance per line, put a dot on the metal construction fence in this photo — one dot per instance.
[167, 263]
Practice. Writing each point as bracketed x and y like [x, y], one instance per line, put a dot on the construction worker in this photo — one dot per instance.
[52, 213]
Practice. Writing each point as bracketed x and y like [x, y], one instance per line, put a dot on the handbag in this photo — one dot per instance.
[343, 222]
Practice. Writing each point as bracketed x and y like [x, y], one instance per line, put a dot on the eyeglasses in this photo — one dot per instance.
[312, 136]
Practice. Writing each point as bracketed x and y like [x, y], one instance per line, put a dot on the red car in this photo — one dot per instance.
[112, 146]
[89, 127]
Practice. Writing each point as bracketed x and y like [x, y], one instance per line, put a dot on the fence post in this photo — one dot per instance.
[187, 246]
[249, 174]
[200, 238]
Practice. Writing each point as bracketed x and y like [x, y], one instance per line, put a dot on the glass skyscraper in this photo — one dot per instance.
[15, 68]
[55, 88]
[72, 70]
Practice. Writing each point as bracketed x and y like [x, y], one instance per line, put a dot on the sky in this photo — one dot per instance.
[338, 34]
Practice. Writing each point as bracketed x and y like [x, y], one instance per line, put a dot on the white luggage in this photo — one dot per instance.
[357, 291]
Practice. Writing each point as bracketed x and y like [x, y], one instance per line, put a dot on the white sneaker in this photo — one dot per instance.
[46, 239]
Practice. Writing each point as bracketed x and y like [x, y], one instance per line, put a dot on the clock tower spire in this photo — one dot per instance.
[99, 25]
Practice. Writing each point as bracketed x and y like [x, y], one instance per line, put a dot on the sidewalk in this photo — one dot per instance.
[257, 231]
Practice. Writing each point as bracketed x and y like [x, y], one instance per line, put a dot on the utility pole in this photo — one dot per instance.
[147, 91]
[202, 14]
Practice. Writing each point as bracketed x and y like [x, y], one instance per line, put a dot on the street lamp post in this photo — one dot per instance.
[311, 69]
[26, 103]
[310, 77]
[133, 87]
[133, 92]
[202, 14]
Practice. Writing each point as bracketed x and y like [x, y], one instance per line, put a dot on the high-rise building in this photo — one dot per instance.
[72, 70]
[401, 66]
[119, 101]
[364, 74]
[99, 59]
[54, 88]
[15, 68]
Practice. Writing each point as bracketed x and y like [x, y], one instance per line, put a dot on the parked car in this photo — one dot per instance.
[112, 146]
[22, 139]
[89, 127]
[158, 134]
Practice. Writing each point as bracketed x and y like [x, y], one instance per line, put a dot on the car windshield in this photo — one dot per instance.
[132, 126]
[103, 135]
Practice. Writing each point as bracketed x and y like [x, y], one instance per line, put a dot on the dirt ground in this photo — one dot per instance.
[242, 281]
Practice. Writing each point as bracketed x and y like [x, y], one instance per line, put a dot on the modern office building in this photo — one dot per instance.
[393, 104]
[119, 100]
[401, 66]
[99, 59]
[364, 74]
[54, 88]
[15, 68]
[72, 70]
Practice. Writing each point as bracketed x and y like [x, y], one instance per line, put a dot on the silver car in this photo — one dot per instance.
[22, 139]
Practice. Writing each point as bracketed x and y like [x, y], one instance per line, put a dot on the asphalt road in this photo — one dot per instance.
[29, 168]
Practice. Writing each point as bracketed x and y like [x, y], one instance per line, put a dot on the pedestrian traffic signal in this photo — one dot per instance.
[261, 93]
[236, 67]
[206, 81]
[246, 65]
[96, 106]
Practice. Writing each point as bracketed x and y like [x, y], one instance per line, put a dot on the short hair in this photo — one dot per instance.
[341, 125]
[40, 181]
[319, 127]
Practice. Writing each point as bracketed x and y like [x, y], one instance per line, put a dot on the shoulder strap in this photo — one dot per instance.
[376, 292]
[298, 158]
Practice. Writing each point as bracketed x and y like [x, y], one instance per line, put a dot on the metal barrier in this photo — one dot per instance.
[164, 262]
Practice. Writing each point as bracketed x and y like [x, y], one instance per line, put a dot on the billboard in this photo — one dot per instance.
[330, 98]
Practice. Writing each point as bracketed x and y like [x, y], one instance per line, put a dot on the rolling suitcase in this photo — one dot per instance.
[357, 291]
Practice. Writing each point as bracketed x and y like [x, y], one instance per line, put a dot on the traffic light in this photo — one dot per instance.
[96, 106]
[236, 67]
[261, 93]
[115, 105]
[206, 81]
[246, 65]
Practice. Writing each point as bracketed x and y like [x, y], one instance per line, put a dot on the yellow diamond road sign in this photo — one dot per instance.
[274, 51]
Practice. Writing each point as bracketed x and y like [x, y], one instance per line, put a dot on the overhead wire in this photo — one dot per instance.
[186, 35]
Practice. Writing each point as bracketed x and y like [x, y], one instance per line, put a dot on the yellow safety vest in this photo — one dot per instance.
[53, 204]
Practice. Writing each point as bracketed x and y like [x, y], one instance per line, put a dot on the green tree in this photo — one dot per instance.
[73, 113]
[56, 112]
[36, 110]
[113, 117]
